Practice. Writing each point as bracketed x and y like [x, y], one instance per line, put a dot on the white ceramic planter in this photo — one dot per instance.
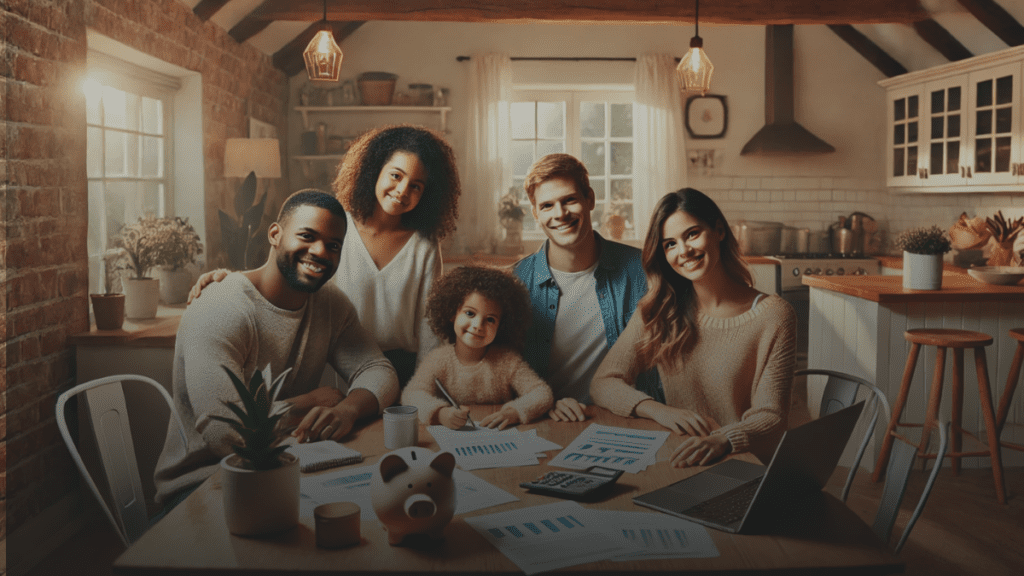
[141, 297]
[174, 284]
[260, 501]
[922, 271]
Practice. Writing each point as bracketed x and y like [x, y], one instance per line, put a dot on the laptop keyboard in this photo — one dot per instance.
[728, 507]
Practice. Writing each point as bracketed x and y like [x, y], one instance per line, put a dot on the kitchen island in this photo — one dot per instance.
[857, 325]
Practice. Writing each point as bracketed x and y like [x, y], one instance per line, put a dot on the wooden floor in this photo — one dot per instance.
[962, 532]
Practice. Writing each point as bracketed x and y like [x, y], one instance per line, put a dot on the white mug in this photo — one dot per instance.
[401, 427]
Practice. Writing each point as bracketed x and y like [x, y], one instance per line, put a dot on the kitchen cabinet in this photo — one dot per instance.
[957, 127]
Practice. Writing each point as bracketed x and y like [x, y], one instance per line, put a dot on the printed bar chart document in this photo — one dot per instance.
[660, 535]
[485, 448]
[624, 449]
[551, 536]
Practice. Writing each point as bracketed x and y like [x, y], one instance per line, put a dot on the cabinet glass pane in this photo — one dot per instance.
[1003, 154]
[600, 186]
[937, 126]
[953, 126]
[954, 99]
[622, 191]
[899, 134]
[593, 157]
[984, 97]
[897, 162]
[935, 160]
[911, 131]
[938, 101]
[911, 160]
[983, 122]
[1004, 90]
[592, 119]
[983, 155]
[622, 158]
[622, 120]
[899, 109]
[952, 157]
[1004, 120]
[912, 107]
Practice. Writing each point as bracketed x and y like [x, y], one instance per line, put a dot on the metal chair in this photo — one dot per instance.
[841, 391]
[107, 411]
[901, 461]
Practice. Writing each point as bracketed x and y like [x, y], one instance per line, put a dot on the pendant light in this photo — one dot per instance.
[695, 68]
[322, 55]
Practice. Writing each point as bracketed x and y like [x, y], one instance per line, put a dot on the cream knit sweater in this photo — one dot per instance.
[739, 373]
[502, 376]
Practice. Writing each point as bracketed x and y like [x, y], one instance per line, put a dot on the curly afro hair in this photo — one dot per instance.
[356, 182]
[451, 290]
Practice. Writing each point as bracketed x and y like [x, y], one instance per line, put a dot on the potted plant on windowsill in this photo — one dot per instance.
[922, 257]
[108, 307]
[510, 215]
[179, 252]
[260, 480]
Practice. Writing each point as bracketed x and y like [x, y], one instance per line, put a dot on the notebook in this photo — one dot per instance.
[314, 456]
[737, 496]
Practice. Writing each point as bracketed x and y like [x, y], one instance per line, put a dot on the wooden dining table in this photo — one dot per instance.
[819, 536]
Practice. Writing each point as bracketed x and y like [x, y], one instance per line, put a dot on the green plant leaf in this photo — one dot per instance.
[242, 416]
[243, 392]
[246, 194]
[252, 217]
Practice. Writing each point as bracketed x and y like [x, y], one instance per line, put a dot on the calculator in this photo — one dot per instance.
[578, 485]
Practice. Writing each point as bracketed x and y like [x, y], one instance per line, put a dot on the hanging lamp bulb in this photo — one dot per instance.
[322, 55]
[695, 68]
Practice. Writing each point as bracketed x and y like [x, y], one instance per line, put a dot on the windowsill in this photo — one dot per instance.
[156, 332]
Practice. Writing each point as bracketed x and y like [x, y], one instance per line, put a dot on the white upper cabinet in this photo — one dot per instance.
[957, 127]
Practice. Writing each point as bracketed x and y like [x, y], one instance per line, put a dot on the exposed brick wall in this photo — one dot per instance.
[44, 200]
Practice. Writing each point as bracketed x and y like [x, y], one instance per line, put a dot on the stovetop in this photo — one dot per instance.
[820, 256]
[793, 267]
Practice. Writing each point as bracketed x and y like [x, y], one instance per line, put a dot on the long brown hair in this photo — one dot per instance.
[668, 308]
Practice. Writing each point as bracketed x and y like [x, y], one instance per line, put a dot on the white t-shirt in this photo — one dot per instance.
[579, 342]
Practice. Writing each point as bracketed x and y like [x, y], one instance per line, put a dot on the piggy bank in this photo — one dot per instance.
[413, 492]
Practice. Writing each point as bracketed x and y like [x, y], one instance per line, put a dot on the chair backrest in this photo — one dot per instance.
[108, 414]
[901, 461]
[841, 391]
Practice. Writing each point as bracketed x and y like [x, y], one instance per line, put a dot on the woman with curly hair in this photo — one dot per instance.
[725, 352]
[483, 314]
[399, 185]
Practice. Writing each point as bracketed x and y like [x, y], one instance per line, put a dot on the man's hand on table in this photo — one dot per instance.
[568, 410]
[329, 415]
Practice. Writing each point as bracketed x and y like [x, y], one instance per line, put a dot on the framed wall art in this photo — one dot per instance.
[706, 116]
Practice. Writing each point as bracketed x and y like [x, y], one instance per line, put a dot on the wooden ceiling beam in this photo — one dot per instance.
[939, 38]
[996, 19]
[869, 50]
[207, 8]
[289, 58]
[665, 11]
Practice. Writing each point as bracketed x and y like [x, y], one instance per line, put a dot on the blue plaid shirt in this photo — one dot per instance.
[620, 283]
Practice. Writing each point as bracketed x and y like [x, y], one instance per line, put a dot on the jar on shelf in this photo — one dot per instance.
[421, 94]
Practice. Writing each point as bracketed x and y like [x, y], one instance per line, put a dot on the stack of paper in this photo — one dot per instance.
[486, 448]
[611, 447]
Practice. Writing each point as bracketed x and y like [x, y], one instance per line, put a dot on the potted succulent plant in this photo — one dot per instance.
[922, 257]
[108, 306]
[180, 248]
[260, 480]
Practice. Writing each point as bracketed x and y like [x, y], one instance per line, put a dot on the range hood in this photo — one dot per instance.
[781, 135]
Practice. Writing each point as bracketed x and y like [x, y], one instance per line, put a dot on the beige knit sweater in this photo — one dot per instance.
[739, 372]
[502, 376]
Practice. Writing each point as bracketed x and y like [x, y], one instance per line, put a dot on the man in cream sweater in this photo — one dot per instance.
[284, 314]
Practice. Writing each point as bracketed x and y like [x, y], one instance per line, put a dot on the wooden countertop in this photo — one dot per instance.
[956, 287]
[896, 263]
[158, 332]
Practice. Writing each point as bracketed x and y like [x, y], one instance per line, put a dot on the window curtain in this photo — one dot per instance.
[488, 159]
[660, 146]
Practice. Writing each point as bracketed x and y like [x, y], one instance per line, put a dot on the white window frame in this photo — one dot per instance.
[574, 96]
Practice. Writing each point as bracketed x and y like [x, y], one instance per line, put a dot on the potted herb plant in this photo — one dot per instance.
[179, 250]
[510, 215]
[922, 257]
[260, 480]
[108, 306]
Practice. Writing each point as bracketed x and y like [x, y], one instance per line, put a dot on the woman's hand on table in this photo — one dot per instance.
[678, 420]
[700, 450]
[453, 418]
[205, 280]
[507, 416]
[568, 410]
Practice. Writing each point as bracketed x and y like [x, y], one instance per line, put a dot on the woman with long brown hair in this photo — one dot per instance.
[725, 352]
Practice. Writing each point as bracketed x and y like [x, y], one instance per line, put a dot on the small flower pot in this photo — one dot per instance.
[141, 297]
[108, 309]
[260, 502]
[922, 271]
[174, 284]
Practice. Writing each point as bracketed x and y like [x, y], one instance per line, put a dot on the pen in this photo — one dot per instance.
[452, 400]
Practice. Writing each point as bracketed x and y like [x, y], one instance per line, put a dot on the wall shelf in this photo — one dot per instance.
[442, 110]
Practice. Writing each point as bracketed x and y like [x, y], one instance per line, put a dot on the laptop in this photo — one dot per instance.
[742, 497]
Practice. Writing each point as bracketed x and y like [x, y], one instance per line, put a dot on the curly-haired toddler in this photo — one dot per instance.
[482, 313]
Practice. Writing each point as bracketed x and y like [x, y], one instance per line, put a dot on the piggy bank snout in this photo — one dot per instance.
[420, 506]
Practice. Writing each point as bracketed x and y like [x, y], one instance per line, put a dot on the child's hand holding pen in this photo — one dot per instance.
[453, 418]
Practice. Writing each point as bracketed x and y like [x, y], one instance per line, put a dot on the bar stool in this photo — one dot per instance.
[958, 340]
[1011, 385]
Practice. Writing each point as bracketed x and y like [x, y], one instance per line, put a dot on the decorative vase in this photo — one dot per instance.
[175, 284]
[108, 310]
[260, 501]
[922, 271]
[141, 297]
[513, 242]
